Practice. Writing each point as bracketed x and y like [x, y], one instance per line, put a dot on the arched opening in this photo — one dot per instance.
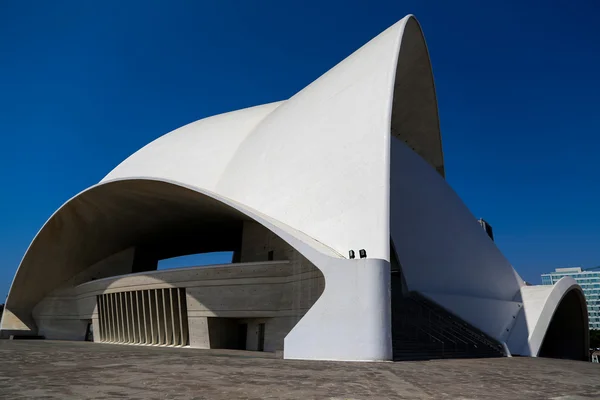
[414, 111]
[109, 239]
[567, 335]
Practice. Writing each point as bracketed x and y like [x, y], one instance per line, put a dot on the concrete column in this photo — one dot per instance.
[99, 335]
[124, 318]
[118, 317]
[132, 321]
[107, 321]
[199, 337]
[124, 326]
[148, 317]
[166, 309]
[153, 313]
[102, 316]
[137, 298]
[96, 327]
[113, 308]
[129, 317]
[117, 314]
[184, 320]
[136, 331]
[144, 319]
[174, 316]
[109, 317]
[182, 338]
[159, 316]
[134, 318]
[119, 320]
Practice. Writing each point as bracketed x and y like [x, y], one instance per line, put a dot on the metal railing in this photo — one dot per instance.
[463, 326]
[418, 320]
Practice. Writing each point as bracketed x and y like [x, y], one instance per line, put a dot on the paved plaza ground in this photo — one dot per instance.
[78, 370]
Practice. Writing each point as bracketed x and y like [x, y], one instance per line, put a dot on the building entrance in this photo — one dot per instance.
[241, 336]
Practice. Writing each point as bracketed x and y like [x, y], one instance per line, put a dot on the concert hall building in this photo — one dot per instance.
[347, 242]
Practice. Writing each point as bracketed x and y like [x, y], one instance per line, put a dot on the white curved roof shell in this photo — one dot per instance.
[326, 150]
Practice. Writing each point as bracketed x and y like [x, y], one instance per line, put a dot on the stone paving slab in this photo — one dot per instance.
[83, 370]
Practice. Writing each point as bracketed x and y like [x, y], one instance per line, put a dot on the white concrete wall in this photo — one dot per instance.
[442, 249]
[440, 244]
[198, 331]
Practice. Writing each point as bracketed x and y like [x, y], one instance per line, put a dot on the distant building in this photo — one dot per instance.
[589, 282]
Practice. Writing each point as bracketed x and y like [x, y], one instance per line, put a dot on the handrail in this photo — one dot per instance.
[439, 331]
[443, 325]
[457, 332]
[458, 322]
[420, 325]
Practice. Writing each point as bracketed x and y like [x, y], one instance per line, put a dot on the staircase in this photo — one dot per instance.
[422, 330]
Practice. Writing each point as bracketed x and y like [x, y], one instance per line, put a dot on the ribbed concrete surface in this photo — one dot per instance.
[78, 370]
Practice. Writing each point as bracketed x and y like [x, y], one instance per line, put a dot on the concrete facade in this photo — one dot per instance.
[218, 298]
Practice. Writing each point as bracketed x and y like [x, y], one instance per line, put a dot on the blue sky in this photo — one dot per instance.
[85, 84]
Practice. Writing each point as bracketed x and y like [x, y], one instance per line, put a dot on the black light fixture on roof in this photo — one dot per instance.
[362, 253]
[351, 254]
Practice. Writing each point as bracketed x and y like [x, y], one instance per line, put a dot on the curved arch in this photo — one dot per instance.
[567, 335]
[75, 236]
[415, 118]
[540, 305]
